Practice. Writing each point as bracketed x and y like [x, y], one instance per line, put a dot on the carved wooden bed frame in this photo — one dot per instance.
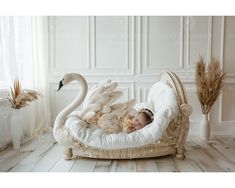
[172, 141]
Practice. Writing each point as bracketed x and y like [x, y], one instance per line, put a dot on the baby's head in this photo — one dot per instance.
[142, 118]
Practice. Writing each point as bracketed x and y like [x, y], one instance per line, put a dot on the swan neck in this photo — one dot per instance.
[62, 116]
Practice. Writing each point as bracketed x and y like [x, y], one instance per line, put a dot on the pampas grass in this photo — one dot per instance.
[20, 98]
[209, 83]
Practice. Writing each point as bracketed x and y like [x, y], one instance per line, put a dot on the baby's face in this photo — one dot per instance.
[139, 121]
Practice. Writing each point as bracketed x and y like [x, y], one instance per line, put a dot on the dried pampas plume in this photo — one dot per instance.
[209, 83]
[20, 98]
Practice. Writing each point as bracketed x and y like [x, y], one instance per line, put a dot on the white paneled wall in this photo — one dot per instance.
[134, 50]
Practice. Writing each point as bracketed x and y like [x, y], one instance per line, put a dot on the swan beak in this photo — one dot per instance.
[60, 85]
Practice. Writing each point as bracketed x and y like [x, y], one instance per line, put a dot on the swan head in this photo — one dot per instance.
[68, 78]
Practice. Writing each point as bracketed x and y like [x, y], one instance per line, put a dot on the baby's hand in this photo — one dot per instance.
[132, 127]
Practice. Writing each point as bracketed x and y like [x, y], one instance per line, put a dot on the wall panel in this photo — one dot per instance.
[228, 104]
[111, 42]
[69, 42]
[198, 39]
[162, 44]
[229, 45]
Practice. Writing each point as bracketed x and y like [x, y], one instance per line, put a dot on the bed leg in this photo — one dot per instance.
[180, 153]
[186, 111]
[68, 154]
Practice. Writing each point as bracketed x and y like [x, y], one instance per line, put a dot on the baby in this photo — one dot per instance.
[111, 123]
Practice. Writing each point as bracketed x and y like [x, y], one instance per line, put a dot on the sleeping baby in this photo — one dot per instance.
[126, 123]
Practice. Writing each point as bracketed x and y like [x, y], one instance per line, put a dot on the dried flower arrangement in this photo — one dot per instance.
[209, 83]
[20, 98]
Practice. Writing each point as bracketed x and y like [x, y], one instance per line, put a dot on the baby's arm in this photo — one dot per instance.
[127, 124]
[129, 129]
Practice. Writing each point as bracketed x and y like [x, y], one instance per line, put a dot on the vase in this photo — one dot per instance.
[16, 127]
[205, 127]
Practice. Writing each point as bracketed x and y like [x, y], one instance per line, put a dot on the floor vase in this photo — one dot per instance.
[205, 127]
[16, 127]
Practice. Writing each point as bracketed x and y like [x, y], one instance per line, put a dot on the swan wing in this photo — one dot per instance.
[100, 88]
[101, 99]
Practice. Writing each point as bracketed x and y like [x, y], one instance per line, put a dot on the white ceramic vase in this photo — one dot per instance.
[16, 125]
[205, 127]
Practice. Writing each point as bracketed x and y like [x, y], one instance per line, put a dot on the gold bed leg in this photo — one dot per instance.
[186, 110]
[68, 154]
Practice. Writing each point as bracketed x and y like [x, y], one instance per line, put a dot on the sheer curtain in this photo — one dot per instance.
[24, 55]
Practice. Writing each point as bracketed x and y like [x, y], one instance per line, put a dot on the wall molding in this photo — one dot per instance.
[144, 66]
[53, 69]
[224, 18]
[128, 69]
[188, 66]
[126, 65]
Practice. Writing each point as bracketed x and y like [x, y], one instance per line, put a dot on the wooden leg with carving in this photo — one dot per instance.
[68, 154]
[186, 111]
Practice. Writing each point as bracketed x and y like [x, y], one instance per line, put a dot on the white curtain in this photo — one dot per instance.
[24, 55]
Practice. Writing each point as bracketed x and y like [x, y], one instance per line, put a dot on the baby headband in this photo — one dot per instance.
[148, 112]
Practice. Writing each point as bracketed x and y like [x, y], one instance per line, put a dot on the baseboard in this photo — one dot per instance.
[3, 93]
[221, 131]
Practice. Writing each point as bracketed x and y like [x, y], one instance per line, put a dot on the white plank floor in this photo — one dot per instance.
[45, 155]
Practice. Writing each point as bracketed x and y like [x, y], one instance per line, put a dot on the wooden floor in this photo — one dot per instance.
[45, 155]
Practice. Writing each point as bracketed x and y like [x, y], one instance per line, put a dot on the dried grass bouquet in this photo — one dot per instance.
[20, 98]
[209, 83]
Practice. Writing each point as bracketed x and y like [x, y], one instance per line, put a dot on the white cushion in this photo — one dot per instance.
[164, 103]
[161, 94]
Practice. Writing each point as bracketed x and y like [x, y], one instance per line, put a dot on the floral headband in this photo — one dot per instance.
[148, 112]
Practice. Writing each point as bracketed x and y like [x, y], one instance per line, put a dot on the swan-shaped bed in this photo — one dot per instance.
[77, 130]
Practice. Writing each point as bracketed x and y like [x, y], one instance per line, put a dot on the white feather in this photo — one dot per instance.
[101, 99]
